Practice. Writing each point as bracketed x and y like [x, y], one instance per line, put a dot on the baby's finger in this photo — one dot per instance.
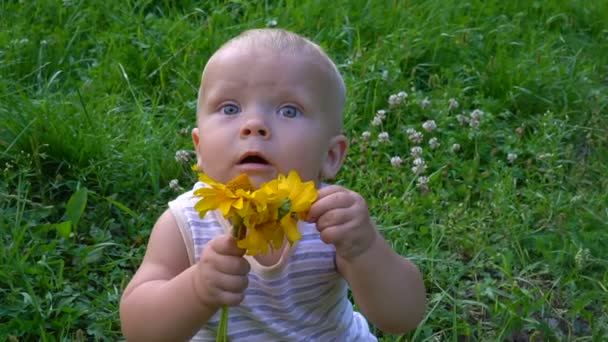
[328, 190]
[334, 235]
[329, 201]
[334, 217]
[226, 245]
[232, 283]
[233, 265]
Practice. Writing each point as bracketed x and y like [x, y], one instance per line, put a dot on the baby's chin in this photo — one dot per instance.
[257, 179]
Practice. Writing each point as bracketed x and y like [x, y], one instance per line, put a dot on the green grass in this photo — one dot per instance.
[94, 101]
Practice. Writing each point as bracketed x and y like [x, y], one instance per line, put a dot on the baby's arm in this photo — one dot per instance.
[388, 288]
[169, 300]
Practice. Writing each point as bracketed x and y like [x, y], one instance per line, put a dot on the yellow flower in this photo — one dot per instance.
[293, 198]
[229, 199]
[267, 215]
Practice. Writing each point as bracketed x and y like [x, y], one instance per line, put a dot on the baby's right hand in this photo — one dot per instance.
[222, 273]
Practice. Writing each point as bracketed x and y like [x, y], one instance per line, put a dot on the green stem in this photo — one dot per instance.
[222, 328]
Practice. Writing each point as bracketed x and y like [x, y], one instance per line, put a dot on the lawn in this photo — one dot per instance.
[478, 132]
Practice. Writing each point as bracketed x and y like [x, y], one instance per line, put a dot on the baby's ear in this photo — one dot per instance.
[197, 149]
[338, 146]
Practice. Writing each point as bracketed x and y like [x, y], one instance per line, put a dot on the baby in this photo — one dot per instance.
[270, 102]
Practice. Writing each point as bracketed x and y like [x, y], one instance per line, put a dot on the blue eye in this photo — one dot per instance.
[289, 111]
[230, 109]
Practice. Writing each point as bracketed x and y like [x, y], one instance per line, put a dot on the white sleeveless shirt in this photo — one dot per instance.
[300, 298]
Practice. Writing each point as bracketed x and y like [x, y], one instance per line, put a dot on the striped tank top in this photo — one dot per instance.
[300, 298]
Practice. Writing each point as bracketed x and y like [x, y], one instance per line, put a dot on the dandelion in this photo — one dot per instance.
[383, 137]
[511, 158]
[419, 166]
[429, 125]
[453, 104]
[366, 135]
[416, 151]
[425, 103]
[396, 161]
[434, 143]
[455, 148]
[182, 156]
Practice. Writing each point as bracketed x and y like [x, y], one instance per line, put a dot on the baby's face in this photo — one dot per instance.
[263, 113]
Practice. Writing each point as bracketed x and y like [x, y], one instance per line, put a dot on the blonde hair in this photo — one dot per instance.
[291, 43]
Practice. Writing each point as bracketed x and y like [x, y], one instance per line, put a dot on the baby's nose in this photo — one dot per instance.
[255, 127]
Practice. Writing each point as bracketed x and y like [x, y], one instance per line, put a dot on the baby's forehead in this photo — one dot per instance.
[308, 57]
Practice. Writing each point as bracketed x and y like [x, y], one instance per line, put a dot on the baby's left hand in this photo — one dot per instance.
[343, 220]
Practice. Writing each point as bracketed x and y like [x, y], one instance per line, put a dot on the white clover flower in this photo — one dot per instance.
[477, 114]
[393, 101]
[511, 157]
[183, 131]
[423, 184]
[422, 180]
[429, 125]
[383, 137]
[182, 156]
[402, 96]
[396, 161]
[463, 120]
[174, 185]
[385, 75]
[381, 114]
[416, 151]
[366, 135]
[474, 123]
[453, 104]
[410, 131]
[377, 121]
[419, 161]
[415, 136]
[455, 148]
[434, 143]
[272, 23]
[419, 166]
[426, 103]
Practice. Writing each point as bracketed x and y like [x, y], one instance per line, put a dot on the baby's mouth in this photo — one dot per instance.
[253, 159]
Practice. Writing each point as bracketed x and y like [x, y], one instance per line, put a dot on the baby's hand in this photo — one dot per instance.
[222, 273]
[343, 220]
